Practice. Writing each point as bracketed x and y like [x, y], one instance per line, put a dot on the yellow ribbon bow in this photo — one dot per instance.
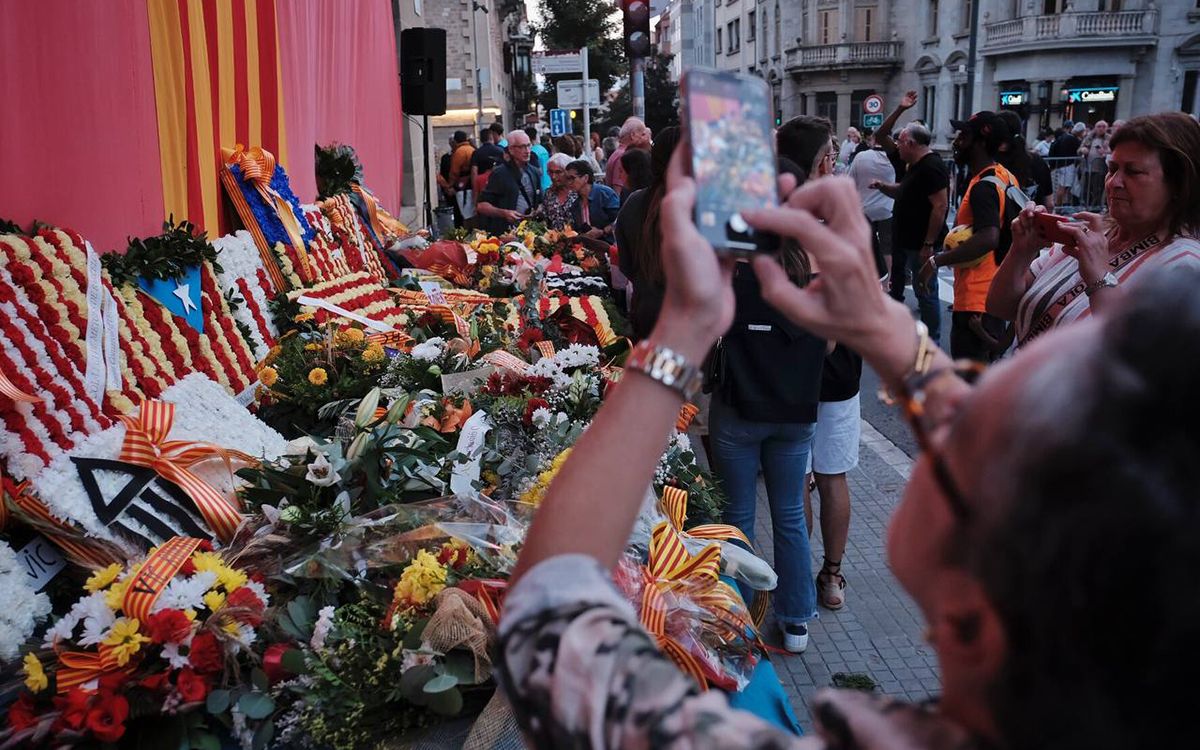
[257, 166]
[146, 444]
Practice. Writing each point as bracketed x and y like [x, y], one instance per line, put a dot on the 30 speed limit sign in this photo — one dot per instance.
[873, 104]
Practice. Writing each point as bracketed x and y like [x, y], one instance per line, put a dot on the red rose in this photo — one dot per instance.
[205, 654]
[244, 598]
[188, 568]
[74, 708]
[168, 626]
[273, 662]
[113, 681]
[21, 715]
[107, 719]
[531, 406]
[192, 687]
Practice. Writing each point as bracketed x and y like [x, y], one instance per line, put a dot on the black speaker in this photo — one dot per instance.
[423, 71]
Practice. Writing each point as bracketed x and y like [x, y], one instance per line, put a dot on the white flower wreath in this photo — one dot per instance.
[23, 607]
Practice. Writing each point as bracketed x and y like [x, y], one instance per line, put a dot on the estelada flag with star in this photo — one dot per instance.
[181, 295]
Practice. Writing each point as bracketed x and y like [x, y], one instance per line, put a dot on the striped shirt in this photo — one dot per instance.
[1056, 297]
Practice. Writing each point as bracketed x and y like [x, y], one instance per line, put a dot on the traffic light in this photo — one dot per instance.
[637, 27]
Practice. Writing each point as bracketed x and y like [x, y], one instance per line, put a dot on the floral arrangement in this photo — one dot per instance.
[360, 252]
[326, 256]
[23, 607]
[117, 655]
[248, 290]
[163, 256]
[359, 293]
[204, 413]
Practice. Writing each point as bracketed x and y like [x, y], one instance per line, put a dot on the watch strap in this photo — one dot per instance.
[666, 366]
[1104, 282]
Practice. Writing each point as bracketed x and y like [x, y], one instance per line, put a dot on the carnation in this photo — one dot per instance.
[429, 350]
[23, 606]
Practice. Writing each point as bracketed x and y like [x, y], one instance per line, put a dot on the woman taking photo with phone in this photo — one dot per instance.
[1153, 195]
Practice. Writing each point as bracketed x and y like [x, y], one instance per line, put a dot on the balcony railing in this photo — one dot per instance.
[1133, 26]
[853, 54]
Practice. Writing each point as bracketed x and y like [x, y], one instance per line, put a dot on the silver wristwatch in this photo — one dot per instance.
[667, 367]
[1104, 282]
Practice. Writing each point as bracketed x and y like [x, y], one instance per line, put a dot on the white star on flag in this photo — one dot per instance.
[183, 292]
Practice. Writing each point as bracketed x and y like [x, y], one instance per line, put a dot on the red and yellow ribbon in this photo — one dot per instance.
[146, 444]
[158, 570]
[18, 501]
[674, 505]
[79, 667]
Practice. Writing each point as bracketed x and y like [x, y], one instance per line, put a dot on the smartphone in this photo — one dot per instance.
[1050, 227]
[732, 156]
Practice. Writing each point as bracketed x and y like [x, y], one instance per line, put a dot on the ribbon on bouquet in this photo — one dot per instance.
[257, 167]
[78, 667]
[8, 388]
[671, 568]
[674, 505]
[17, 501]
[146, 444]
[158, 570]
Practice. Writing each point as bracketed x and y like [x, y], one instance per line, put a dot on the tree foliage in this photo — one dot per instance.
[573, 24]
[662, 98]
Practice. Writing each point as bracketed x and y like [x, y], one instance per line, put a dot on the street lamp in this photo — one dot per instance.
[475, 8]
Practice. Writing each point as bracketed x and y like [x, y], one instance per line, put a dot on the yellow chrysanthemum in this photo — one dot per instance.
[125, 639]
[116, 595]
[421, 580]
[533, 496]
[318, 376]
[231, 627]
[208, 561]
[35, 676]
[214, 600]
[314, 347]
[350, 336]
[373, 353]
[304, 317]
[231, 579]
[103, 577]
[268, 376]
[190, 614]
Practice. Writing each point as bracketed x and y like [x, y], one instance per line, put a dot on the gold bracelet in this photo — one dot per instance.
[926, 349]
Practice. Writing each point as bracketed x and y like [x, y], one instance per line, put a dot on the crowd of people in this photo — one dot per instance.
[1066, 449]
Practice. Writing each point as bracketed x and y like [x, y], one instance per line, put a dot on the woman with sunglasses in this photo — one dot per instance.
[1053, 499]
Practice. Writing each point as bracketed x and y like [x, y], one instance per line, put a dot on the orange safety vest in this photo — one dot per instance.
[971, 284]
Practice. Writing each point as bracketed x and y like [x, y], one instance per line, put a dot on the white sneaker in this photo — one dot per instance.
[795, 638]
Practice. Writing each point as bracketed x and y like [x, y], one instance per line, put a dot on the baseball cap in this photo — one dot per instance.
[983, 123]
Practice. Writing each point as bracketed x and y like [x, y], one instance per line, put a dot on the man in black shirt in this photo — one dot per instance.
[1064, 153]
[918, 220]
[485, 158]
[513, 190]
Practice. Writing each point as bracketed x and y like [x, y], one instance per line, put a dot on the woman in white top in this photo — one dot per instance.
[1153, 197]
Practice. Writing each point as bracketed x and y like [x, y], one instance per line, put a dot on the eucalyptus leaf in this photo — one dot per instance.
[217, 701]
[447, 703]
[256, 705]
[263, 735]
[412, 639]
[441, 683]
[413, 681]
[293, 661]
[460, 664]
[258, 679]
[201, 740]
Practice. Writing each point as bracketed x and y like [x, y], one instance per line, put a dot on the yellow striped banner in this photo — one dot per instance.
[158, 570]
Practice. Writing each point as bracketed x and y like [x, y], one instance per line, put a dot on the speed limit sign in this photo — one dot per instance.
[873, 104]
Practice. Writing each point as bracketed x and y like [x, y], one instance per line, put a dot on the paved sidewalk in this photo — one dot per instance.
[879, 631]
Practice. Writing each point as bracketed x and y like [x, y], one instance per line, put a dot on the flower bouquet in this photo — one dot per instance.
[169, 640]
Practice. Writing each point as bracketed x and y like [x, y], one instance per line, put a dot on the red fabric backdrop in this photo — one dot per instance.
[340, 83]
[78, 137]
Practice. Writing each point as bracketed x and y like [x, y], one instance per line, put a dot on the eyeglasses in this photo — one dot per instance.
[924, 424]
[522, 146]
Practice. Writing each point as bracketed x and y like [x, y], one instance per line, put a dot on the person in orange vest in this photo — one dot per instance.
[973, 333]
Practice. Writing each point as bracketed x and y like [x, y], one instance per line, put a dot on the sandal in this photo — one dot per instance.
[831, 586]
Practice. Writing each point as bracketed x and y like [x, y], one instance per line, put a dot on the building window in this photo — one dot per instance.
[765, 50]
[778, 33]
[827, 106]
[966, 15]
[864, 24]
[827, 26]
[1052, 7]
[751, 25]
[1112, 6]
[929, 110]
[733, 35]
[960, 103]
[1190, 103]
[933, 18]
[719, 46]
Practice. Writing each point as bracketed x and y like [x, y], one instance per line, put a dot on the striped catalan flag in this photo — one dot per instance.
[217, 82]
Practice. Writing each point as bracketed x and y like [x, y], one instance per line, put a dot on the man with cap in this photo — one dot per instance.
[973, 333]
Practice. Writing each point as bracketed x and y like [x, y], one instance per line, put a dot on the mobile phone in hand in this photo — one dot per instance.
[1050, 227]
[731, 145]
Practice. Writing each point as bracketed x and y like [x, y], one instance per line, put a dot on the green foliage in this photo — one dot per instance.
[662, 98]
[163, 256]
[337, 169]
[573, 24]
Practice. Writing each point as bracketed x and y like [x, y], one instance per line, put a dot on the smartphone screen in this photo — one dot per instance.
[732, 156]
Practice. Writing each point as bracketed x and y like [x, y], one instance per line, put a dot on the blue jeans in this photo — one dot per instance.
[738, 447]
[905, 262]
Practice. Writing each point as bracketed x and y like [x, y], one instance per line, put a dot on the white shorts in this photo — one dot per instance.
[1063, 177]
[835, 443]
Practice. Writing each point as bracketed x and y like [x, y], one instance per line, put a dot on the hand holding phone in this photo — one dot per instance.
[732, 157]
[1049, 226]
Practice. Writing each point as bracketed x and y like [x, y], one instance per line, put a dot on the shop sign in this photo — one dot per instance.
[1104, 94]
[1013, 98]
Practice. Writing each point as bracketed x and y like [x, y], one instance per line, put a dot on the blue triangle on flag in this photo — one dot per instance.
[181, 296]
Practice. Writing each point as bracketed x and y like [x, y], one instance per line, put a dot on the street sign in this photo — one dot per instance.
[873, 105]
[560, 122]
[872, 121]
[551, 61]
[570, 94]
